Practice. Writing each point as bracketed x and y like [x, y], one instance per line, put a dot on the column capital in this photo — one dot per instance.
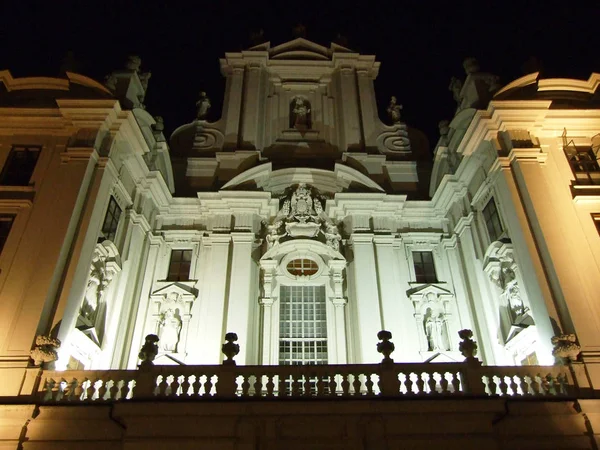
[339, 302]
[266, 301]
[242, 237]
[361, 238]
[383, 240]
[220, 239]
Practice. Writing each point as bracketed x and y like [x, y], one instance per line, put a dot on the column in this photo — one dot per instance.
[241, 306]
[212, 309]
[486, 324]
[348, 101]
[270, 328]
[232, 106]
[252, 120]
[366, 302]
[77, 272]
[124, 308]
[388, 283]
[368, 107]
[340, 356]
[526, 250]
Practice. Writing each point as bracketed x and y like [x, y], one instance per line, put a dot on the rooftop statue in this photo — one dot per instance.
[394, 109]
[456, 86]
[202, 106]
[133, 63]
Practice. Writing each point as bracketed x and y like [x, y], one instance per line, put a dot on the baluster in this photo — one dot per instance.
[495, 384]
[49, 390]
[514, 387]
[126, 390]
[270, 386]
[114, 390]
[420, 383]
[185, 386]
[91, 389]
[70, 390]
[320, 385]
[561, 380]
[163, 386]
[503, 386]
[78, 390]
[356, 384]
[409, 383]
[550, 382]
[369, 385]
[535, 386]
[444, 383]
[333, 383]
[283, 386]
[258, 386]
[306, 387]
[455, 382]
[524, 385]
[345, 385]
[246, 385]
[102, 390]
[431, 384]
[175, 385]
[208, 385]
[196, 386]
[296, 384]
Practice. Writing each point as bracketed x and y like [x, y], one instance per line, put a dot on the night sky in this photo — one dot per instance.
[420, 46]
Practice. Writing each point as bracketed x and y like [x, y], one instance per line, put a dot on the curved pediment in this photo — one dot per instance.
[300, 48]
[341, 179]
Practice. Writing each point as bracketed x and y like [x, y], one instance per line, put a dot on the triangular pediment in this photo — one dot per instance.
[300, 48]
[425, 289]
[177, 288]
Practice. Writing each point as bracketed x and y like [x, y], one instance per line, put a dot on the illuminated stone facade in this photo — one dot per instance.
[300, 221]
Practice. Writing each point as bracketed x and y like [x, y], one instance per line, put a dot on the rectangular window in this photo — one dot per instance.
[596, 218]
[19, 166]
[424, 267]
[302, 325]
[179, 268]
[492, 221]
[530, 360]
[111, 220]
[6, 222]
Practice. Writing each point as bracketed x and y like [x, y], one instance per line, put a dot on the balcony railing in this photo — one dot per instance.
[287, 382]
[356, 381]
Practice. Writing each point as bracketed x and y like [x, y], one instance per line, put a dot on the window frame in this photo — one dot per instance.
[486, 221]
[425, 276]
[170, 272]
[4, 238]
[110, 234]
[11, 158]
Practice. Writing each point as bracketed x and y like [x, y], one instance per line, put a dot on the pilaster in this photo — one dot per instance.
[366, 304]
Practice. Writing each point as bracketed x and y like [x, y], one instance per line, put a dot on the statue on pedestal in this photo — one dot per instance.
[394, 109]
[202, 106]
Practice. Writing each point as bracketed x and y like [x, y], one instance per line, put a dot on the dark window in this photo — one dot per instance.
[19, 166]
[306, 267]
[424, 267]
[111, 220]
[596, 218]
[179, 268]
[492, 221]
[6, 222]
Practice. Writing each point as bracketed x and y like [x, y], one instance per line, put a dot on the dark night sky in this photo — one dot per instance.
[420, 45]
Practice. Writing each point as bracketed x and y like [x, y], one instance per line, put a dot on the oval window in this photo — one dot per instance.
[303, 266]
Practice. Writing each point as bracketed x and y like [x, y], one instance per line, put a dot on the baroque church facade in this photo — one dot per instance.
[299, 220]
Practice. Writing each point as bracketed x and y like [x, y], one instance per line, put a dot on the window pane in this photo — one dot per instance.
[180, 265]
[424, 267]
[492, 221]
[19, 166]
[111, 220]
[6, 222]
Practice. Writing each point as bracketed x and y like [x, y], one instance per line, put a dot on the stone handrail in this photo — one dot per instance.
[308, 381]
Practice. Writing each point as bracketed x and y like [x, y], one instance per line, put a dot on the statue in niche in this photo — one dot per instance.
[300, 114]
[435, 330]
[394, 109]
[94, 291]
[332, 236]
[170, 326]
[202, 106]
[515, 302]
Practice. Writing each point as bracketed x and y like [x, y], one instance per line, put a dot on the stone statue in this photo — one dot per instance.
[97, 283]
[133, 63]
[471, 65]
[456, 86]
[299, 31]
[566, 348]
[170, 326]
[110, 81]
[332, 236]
[393, 110]
[300, 117]
[515, 301]
[202, 106]
[148, 351]
[159, 126]
[435, 330]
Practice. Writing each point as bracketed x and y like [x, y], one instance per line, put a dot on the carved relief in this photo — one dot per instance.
[300, 114]
[106, 263]
[302, 215]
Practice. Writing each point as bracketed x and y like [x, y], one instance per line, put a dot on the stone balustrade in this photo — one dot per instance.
[384, 380]
[318, 381]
